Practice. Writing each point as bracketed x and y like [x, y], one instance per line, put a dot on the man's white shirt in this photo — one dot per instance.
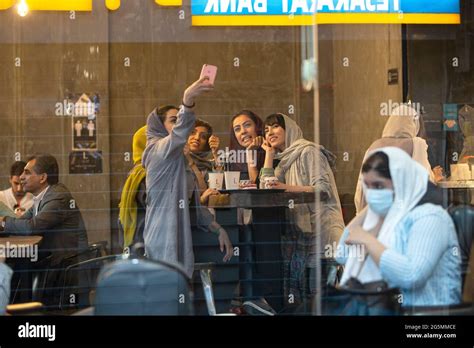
[10, 201]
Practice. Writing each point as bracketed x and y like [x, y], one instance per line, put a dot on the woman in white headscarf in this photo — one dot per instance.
[401, 130]
[303, 166]
[400, 239]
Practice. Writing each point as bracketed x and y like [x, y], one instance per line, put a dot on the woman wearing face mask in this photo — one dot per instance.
[298, 161]
[246, 136]
[201, 148]
[410, 244]
[403, 130]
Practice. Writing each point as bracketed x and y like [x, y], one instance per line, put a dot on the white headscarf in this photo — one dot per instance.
[410, 183]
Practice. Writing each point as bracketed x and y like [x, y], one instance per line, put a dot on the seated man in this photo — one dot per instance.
[15, 197]
[54, 215]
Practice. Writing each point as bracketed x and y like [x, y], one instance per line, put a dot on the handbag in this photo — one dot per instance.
[373, 298]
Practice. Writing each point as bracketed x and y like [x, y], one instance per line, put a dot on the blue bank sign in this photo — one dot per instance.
[307, 12]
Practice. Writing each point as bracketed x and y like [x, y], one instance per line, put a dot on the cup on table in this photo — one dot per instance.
[269, 181]
[454, 172]
[465, 173]
[216, 180]
[232, 180]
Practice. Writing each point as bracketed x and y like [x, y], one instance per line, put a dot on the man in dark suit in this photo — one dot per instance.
[54, 214]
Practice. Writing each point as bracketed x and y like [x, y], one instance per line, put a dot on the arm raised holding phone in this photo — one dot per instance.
[195, 90]
[167, 234]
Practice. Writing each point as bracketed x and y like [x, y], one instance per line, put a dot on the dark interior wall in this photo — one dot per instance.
[434, 80]
[44, 57]
[362, 55]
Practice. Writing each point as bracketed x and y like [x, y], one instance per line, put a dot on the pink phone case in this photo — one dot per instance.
[209, 71]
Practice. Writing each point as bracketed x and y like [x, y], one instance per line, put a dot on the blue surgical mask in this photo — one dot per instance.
[379, 201]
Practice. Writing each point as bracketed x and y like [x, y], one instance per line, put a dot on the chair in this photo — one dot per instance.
[86, 272]
[90, 267]
[463, 218]
[205, 273]
[143, 287]
[48, 284]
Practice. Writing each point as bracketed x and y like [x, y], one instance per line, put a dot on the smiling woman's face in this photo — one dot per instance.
[245, 130]
[198, 139]
[275, 135]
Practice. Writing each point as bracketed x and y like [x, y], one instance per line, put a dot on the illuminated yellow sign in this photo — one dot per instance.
[284, 12]
[75, 5]
[309, 12]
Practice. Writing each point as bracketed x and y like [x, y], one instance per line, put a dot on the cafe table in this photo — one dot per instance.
[259, 247]
[458, 191]
[25, 241]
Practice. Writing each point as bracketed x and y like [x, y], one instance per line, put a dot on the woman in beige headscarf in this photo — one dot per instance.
[401, 130]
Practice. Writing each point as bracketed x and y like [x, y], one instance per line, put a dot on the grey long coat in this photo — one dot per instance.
[167, 234]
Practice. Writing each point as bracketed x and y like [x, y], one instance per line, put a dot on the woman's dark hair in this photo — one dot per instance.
[163, 110]
[234, 143]
[46, 164]
[378, 162]
[275, 119]
[17, 168]
[202, 123]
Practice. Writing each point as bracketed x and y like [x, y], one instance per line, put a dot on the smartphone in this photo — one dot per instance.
[209, 71]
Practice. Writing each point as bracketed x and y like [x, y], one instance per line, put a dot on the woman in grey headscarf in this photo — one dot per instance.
[171, 188]
[401, 130]
[303, 167]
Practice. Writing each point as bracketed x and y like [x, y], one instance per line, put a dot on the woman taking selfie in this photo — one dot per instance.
[409, 244]
[171, 188]
[296, 171]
